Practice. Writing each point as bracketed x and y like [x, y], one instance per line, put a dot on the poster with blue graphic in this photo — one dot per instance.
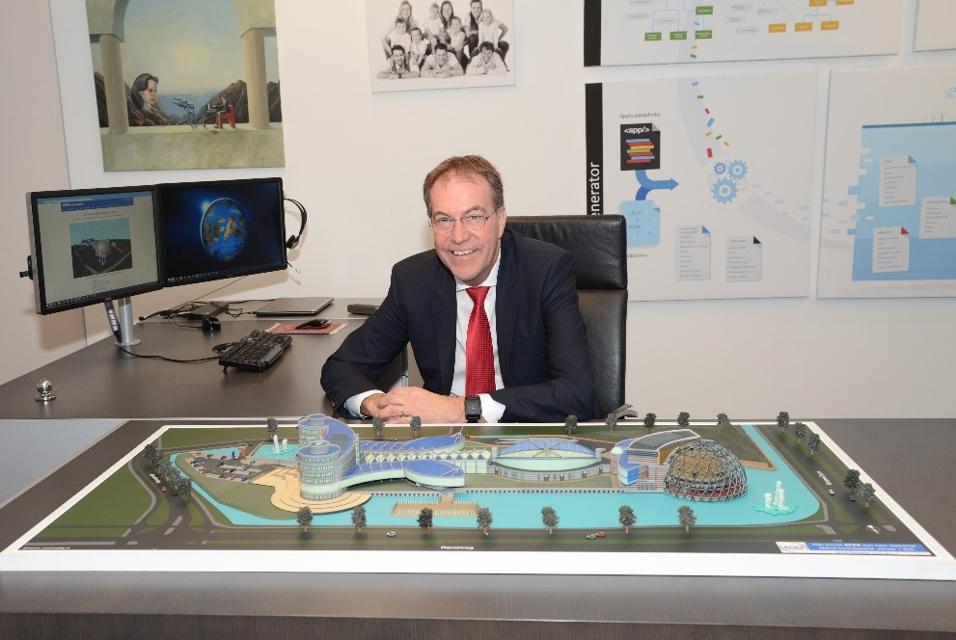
[714, 177]
[889, 210]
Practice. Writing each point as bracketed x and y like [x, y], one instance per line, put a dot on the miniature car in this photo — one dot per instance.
[591, 536]
[600, 534]
[831, 492]
[852, 498]
[390, 534]
[163, 488]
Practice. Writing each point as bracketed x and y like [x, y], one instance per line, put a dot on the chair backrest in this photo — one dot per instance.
[599, 247]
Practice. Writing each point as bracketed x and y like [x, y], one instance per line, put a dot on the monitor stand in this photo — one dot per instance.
[122, 326]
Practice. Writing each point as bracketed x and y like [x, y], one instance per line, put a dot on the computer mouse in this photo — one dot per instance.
[211, 324]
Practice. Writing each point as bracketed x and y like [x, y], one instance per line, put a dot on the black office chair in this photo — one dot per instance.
[599, 247]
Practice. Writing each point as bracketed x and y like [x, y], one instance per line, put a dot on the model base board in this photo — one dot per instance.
[754, 499]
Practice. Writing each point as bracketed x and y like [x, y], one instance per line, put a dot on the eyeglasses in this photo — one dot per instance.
[472, 222]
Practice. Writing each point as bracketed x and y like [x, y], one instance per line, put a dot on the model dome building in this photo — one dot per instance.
[704, 471]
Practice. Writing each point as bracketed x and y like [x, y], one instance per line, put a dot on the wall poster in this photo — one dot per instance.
[714, 176]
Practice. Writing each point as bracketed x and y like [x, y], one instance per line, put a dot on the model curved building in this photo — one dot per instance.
[704, 471]
[331, 458]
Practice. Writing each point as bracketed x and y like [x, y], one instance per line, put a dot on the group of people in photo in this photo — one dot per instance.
[444, 44]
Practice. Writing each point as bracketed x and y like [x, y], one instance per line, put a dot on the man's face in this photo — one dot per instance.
[469, 255]
[441, 57]
[149, 93]
[398, 57]
[486, 55]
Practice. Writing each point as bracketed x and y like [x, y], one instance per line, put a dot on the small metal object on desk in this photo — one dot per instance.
[45, 391]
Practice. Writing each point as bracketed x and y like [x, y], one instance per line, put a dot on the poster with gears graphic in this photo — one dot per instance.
[714, 176]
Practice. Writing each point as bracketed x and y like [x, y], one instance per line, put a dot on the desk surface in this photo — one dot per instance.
[256, 605]
[100, 381]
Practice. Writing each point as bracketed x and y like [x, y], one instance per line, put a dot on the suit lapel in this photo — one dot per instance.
[506, 305]
[445, 316]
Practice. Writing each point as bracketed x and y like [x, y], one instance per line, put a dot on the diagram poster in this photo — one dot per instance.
[889, 207]
[714, 178]
[672, 31]
[934, 25]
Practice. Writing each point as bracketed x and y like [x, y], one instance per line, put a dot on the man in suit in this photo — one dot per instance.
[492, 317]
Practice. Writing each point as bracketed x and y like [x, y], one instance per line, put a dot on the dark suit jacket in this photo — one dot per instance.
[542, 342]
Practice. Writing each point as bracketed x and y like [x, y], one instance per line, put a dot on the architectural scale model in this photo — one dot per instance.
[617, 487]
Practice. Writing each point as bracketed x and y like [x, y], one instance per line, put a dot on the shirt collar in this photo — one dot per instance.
[490, 281]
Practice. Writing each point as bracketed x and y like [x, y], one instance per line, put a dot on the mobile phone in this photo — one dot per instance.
[362, 309]
[315, 323]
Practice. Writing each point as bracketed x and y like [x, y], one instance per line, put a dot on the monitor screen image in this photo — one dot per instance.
[213, 230]
[92, 245]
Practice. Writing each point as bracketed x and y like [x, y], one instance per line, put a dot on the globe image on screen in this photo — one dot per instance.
[224, 228]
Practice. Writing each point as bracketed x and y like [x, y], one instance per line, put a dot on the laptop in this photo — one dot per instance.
[294, 307]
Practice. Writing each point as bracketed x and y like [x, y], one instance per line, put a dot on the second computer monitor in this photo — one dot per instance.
[223, 229]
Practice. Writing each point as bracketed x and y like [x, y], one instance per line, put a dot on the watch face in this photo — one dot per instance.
[472, 408]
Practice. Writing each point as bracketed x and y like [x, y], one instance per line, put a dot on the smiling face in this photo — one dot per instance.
[476, 8]
[398, 57]
[455, 26]
[486, 16]
[469, 255]
[441, 56]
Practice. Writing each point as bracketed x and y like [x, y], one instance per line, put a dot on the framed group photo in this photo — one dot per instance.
[420, 44]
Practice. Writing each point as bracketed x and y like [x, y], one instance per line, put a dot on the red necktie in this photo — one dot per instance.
[479, 354]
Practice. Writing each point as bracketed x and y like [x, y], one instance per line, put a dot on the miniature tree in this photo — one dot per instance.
[550, 519]
[571, 425]
[626, 517]
[416, 426]
[867, 493]
[783, 420]
[852, 480]
[800, 430]
[151, 455]
[304, 518]
[813, 443]
[484, 519]
[611, 421]
[649, 420]
[425, 519]
[686, 517]
[378, 428]
[272, 426]
[683, 419]
[722, 419]
[359, 519]
[184, 487]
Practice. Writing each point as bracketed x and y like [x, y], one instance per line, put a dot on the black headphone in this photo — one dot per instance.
[294, 239]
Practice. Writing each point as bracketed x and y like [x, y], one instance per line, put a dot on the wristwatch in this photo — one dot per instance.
[472, 408]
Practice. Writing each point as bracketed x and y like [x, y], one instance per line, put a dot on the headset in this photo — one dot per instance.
[295, 238]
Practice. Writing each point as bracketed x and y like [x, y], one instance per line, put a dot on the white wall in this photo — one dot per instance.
[357, 159]
[32, 156]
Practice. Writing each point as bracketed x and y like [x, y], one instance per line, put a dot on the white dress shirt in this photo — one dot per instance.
[491, 410]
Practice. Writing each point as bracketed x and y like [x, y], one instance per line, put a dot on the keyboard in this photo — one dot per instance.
[256, 352]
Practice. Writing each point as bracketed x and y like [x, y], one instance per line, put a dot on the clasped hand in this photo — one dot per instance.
[399, 405]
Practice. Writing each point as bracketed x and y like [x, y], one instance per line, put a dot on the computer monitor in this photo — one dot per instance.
[221, 229]
[92, 245]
